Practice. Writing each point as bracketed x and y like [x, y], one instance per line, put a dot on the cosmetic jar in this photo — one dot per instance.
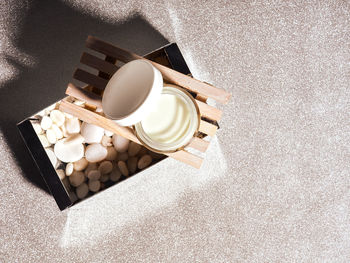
[164, 117]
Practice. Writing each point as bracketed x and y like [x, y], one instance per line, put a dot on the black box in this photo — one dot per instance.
[168, 55]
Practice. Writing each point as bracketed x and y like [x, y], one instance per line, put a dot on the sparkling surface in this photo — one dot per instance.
[275, 185]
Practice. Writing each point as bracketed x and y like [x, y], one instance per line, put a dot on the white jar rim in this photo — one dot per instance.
[191, 131]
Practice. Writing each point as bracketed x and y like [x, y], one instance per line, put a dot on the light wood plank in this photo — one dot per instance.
[199, 144]
[207, 128]
[208, 111]
[201, 98]
[169, 75]
[94, 118]
[84, 95]
[93, 99]
[187, 158]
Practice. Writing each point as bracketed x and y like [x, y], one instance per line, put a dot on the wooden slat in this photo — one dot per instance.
[187, 158]
[84, 95]
[110, 50]
[201, 98]
[192, 84]
[94, 118]
[90, 79]
[209, 111]
[207, 128]
[97, 63]
[93, 99]
[169, 75]
[199, 144]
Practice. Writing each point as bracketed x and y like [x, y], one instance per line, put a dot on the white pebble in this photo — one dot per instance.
[45, 123]
[132, 164]
[105, 167]
[90, 167]
[52, 157]
[94, 175]
[120, 143]
[51, 136]
[37, 128]
[104, 178]
[61, 174]
[95, 153]
[144, 161]
[67, 151]
[134, 148]
[123, 168]
[109, 133]
[106, 141]
[57, 131]
[94, 186]
[57, 117]
[72, 125]
[76, 178]
[123, 156]
[115, 174]
[91, 133]
[111, 154]
[64, 131]
[81, 164]
[69, 169]
[44, 140]
[82, 191]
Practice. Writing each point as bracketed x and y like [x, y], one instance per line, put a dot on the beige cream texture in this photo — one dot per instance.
[275, 185]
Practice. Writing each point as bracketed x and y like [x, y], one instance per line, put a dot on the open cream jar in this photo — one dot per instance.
[164, 118]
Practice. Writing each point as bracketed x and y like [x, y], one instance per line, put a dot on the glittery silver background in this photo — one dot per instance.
[275, 186]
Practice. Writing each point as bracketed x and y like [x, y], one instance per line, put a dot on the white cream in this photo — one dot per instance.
[168, 121]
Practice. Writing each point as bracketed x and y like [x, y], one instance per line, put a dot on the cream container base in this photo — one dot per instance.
[172, 123]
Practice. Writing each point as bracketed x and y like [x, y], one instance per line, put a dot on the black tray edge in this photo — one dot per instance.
[44, 165]
[176, 59]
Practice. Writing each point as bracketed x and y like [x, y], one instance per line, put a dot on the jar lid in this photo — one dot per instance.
[131, 92]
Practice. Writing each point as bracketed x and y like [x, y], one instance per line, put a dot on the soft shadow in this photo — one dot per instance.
[53, 34]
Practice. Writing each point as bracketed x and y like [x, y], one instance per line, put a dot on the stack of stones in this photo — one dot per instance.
[86, 157]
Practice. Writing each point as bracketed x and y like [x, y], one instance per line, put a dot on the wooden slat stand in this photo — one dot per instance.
[91, 110]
